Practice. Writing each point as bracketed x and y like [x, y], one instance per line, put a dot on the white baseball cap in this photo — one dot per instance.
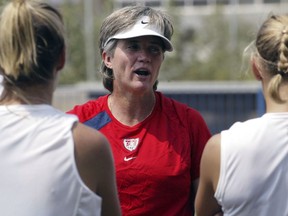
[143, 28]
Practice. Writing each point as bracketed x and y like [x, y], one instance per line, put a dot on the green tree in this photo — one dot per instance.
[74, 69]
[211, 51]
[73, 13]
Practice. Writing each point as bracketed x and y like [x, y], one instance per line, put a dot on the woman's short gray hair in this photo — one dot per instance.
[124, 19]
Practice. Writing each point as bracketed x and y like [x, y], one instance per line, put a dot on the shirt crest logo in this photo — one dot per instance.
[131, 144]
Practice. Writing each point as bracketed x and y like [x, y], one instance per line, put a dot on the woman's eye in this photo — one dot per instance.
[133, 46]
[155, 49]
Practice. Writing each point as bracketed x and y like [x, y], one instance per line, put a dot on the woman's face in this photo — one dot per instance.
[136, 63]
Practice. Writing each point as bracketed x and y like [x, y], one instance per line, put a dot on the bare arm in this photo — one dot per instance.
[96, 167]
[205, 203]
[107, 183]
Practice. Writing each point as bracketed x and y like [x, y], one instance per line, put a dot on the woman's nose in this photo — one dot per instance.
[144, 55]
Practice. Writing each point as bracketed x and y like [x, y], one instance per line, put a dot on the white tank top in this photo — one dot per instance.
[254, 167]
[37, 166]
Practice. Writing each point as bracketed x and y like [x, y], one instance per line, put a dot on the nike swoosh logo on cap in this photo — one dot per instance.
[143, 22]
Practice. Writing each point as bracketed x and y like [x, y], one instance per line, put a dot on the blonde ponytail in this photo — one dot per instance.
[32, 39]
[17, 40]
[272, 46]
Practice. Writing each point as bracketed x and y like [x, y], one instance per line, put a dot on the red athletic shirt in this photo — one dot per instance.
[157, 159]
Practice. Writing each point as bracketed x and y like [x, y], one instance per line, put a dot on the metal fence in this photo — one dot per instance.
[220, 103]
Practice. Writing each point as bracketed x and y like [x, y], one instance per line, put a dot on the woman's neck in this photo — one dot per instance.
[272, 105]
[130, 110]
[41, 94]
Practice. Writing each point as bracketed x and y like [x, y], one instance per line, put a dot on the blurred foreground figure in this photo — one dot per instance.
[50, 164]
[244, 169]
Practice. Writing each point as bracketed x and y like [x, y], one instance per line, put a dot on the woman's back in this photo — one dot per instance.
[254, 159]
[244, 169]
[38, 169]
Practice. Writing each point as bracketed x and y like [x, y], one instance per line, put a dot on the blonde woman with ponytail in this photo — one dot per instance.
[50, 164]
[244, 169]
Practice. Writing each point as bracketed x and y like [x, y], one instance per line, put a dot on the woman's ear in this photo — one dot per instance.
[257, 73]
[62, 60]
[107, 60]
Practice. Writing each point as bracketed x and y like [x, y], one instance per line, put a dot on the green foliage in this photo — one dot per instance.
[75, 68]
[213, 51]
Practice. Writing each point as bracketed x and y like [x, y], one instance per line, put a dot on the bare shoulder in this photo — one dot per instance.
[205, 203]
[212, 146]
[91, 144]
[92, 154]
[95, 165]
[88, 137]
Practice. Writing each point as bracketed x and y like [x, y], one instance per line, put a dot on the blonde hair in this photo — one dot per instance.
[272, 47]
[31, 41]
